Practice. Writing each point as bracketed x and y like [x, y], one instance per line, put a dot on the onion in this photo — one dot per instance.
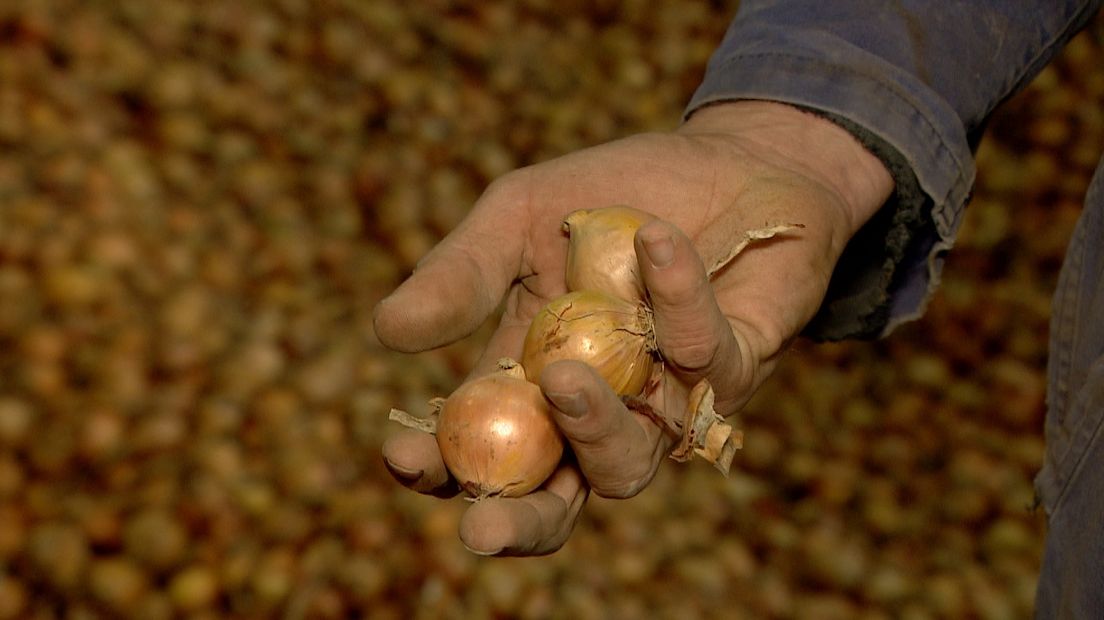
[613, 336]
[496, 435]
[600, 251]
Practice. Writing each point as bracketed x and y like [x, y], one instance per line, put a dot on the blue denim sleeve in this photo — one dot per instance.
[915, 81]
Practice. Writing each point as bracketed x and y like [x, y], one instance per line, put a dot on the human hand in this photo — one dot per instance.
[730, 168]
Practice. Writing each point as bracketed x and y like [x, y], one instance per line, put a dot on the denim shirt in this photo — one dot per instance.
[915, 81]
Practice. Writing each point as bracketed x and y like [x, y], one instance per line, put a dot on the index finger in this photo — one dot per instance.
[414, 460]
[618, 451]
[462, 280]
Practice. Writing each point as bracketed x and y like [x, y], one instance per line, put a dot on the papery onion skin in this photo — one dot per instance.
[600, 251]
[497, 437]
[613, 336]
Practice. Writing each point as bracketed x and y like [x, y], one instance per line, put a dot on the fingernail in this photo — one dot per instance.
[483, 553]
[409, 475]
[572, 404]
[660, 249]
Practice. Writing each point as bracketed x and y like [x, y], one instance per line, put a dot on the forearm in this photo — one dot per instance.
[915, 81]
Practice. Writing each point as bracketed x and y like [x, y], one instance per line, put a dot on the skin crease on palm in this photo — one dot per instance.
[730, 168]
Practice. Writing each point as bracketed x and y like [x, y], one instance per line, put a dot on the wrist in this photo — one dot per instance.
[806, 144]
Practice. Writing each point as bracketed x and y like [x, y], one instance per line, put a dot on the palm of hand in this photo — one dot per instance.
[688, 182]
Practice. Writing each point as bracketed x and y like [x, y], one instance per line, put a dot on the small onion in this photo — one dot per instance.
[496, 435]
[600, 251]
[613, 336]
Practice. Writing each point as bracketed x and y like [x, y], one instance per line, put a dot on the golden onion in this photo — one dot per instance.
[496, 435]
[613, 336]
[600, 251]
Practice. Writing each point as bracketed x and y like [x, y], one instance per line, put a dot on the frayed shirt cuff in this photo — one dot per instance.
[890, 269]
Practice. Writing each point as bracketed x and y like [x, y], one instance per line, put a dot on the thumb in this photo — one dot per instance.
[460, 282]
[693, 334]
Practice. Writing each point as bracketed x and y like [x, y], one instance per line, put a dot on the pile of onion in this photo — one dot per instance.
[496, 434]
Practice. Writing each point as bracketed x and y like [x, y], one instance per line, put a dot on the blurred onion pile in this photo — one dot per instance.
[201, 201]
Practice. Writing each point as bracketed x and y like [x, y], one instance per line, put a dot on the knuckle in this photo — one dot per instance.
[683, 292]
[509, 187]
[689, 351]
[627, 483]
[623, 489]
[593, 432]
